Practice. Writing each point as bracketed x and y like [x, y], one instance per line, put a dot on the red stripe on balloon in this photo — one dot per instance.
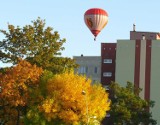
[95, 32]
[96, 11]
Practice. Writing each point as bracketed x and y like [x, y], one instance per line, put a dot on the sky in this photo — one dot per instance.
[67, 17]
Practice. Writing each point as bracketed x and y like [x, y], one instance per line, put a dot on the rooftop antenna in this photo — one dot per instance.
[134, 27]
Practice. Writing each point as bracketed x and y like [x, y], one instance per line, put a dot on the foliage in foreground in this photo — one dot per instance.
[127, 107]
[17, 83]
[71, 99]
[32, 96]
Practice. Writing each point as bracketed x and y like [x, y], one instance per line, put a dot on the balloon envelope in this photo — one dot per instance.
[96, 19]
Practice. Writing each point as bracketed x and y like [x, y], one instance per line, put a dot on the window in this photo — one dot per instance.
[95, 69]
[107, 74]
[107, 61]
[86, 69]
[83, 70]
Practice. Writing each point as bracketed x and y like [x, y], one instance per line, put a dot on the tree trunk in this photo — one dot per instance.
[18, 116]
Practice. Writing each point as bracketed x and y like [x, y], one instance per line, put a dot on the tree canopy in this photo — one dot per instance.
[30, 95]
[17, 85]
[35, 43]
[71, 99]
[127, 107]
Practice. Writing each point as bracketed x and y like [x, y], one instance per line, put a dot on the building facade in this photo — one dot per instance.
[134, 35]
[89, 66]
[137, 61]
[109, 53]
[108, 56]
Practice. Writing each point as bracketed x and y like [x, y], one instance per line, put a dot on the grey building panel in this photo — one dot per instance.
[89, 66]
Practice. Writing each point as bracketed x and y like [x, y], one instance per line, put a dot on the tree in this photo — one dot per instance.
[35, 43]
[70, 99]
[18, 83]
[127, 107]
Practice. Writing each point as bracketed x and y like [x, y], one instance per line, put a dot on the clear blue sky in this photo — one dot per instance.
[67, 17]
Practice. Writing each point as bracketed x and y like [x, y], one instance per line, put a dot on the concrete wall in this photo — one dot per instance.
[155, 79]
[90, 62]
[125, 61]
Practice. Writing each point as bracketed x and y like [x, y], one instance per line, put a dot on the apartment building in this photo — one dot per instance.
[137, 61]
[89, 66]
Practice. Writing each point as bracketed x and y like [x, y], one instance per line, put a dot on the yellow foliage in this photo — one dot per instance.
[73, 99]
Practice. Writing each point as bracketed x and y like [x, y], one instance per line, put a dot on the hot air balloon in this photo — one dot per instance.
[96, 19]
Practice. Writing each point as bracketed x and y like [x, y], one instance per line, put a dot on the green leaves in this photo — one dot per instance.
[37, 44]
[127, 107]
[31, 40]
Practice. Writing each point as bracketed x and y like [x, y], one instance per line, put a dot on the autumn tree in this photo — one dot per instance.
[18, 84]
[70, 99]
[127, 107]
[37, 44]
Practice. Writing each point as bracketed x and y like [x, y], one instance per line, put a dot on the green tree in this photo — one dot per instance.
[37, 44]
[127, 107]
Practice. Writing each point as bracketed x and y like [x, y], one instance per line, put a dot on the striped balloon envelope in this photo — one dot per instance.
[96, 19]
